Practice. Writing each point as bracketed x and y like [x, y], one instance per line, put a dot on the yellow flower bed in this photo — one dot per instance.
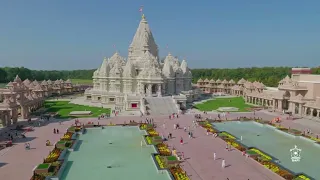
[159, 161]
[315, 139]
[228, 135]
[143, 126]
[303, 177]
[181, 176]
[273, 168]
[261, 154]
[234, 144]
[163, 149]
[152, 132]
[149, 140]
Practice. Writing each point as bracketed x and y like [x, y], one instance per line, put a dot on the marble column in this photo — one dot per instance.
[159, 90]
[300, 109]
[8, 118]
[14, 115]
[149, 90]
[280, 104]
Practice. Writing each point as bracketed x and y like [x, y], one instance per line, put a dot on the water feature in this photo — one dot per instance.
[112, 153]
[277, 144]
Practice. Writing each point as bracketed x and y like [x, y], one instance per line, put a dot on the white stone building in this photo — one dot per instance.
[127, 82]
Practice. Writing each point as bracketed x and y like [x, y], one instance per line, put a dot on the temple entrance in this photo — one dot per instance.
[154, 89]
[145, 89]
[285, 103]
[314, 113]
[308, 112]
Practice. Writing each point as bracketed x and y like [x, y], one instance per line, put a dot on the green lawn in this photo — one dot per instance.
[236, 102]
[81, 81]
[63, 108]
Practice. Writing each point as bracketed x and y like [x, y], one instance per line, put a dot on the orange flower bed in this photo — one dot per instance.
[152, 132]
[53, 156]
[67, 136]
[163, 149]
[179, 174]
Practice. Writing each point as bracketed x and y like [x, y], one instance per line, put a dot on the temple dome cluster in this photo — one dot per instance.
[121, 81]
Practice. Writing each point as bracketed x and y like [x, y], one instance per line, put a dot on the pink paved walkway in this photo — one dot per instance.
[16, 163]
[199, 154]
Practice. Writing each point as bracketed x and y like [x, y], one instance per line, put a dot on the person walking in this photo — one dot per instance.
[223, 163]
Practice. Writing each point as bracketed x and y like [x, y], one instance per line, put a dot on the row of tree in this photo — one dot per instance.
[270, 76]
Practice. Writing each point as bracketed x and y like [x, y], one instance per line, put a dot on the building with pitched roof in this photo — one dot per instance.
[297, 95]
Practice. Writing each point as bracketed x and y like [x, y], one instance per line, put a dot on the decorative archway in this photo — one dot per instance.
[287, 94]
[308, 112]
[314, 113]
[154, 89]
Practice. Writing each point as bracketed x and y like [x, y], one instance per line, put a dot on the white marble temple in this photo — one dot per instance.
[125, 82]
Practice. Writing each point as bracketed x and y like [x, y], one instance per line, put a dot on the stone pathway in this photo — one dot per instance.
[199, 162]
[198, 151]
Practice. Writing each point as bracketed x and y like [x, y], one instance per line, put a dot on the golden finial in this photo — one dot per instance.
[143, 17]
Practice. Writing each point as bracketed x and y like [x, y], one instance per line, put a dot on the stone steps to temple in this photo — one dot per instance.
[161, 105]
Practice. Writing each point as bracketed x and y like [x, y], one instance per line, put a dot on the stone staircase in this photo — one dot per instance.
[161, 105]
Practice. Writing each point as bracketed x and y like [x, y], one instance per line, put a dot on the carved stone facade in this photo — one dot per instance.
[20, 98]
[124, 83]
[298, 94]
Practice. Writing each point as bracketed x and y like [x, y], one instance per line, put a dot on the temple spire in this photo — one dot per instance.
[143, 40]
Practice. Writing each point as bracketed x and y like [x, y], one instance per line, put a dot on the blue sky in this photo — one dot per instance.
[77, 34]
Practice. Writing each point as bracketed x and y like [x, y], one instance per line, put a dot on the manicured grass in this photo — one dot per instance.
[43, 166]
[236, 102]
[63, 108]
[81, 81]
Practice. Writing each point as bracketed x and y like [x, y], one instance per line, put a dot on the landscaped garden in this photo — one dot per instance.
[237, 102]
[52, 163]
[164, 158]
[63, 109]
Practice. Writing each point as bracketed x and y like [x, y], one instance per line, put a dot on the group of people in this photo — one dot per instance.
[173, 115]
[55, 131]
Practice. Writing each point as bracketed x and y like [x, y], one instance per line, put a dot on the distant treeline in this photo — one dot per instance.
[270, 76]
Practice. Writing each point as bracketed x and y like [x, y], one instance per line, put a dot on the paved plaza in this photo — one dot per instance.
[16, 163]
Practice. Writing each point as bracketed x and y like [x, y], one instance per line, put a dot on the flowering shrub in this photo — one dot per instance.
[159, 161]
[261, 154]
[149, 140]
[152, 132]
[53, 156]
[179, 174]
[302, 177]
[227, 135]
[274, 168]
[67, 136]
[143, 126]
[163, 149]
